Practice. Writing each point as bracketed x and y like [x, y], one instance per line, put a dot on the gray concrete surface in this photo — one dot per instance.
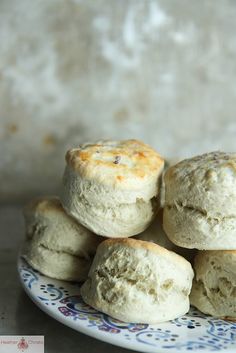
[163, 71]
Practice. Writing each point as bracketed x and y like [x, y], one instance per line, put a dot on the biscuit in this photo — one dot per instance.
[200, 202]
[156, 234]
[57, 245]
[56, 264]
[112, 187]
[214, 285]
[137, 281]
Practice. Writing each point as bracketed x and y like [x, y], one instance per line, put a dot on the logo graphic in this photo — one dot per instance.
[22, 345]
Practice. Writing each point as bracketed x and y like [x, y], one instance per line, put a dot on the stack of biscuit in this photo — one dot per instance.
[106, 230]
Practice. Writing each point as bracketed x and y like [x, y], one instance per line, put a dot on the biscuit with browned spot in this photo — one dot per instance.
[200, 202]
[138, 281]
[112, 187]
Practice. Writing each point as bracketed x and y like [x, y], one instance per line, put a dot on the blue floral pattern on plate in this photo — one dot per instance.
[192, 332]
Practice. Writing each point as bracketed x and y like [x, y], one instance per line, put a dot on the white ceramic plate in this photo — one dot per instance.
[192, 332]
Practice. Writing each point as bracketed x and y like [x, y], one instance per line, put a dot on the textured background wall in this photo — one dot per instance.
[75, 70]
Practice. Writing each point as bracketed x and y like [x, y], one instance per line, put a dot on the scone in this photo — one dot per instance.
[200, 202]
[112, 187]
[214, 285]
[156, 234]
[57, 245]
[137, 281]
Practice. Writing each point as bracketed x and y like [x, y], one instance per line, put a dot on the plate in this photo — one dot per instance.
[192, 332]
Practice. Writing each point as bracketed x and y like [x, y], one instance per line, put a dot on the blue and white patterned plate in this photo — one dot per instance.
[192, 332]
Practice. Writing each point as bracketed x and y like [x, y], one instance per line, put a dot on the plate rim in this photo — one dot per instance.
[99, 335]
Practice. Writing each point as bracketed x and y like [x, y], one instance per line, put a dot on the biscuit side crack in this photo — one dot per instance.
[62, 252]
[209, 293]
[179, 206]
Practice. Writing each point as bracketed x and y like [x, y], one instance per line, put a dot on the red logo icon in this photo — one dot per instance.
[22, 345]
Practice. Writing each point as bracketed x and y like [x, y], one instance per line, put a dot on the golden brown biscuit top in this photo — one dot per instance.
[148, 246]
[119, 160]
